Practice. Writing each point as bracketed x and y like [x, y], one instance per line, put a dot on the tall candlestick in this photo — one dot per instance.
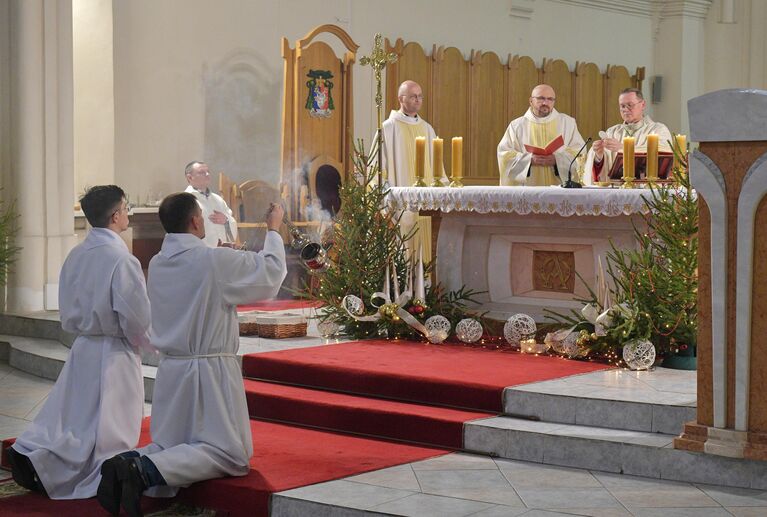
[420, 160]
[679, 148]
[437, 145]
[652, 157]
[628, 160]
[457, 162]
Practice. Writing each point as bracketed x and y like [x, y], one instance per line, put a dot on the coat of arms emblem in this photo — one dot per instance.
[319, 102]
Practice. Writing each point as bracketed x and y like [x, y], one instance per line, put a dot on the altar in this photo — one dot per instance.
[525, 246]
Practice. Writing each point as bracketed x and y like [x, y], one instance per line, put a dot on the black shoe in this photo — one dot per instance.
[133, 487]
[24, 472]
[110, 487]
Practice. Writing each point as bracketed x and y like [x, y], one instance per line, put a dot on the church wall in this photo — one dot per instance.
[202, 80]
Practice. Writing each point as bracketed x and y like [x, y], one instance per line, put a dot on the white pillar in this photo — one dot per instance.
[41, 154]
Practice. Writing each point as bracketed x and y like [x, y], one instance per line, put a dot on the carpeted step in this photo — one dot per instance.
[437, 426]
[284, 457]
[287, 457]
[444, 375]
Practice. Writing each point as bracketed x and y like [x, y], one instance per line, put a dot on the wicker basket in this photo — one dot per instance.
[280, 326]
[248, 325]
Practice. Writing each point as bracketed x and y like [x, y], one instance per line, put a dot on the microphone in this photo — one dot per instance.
[570, 183]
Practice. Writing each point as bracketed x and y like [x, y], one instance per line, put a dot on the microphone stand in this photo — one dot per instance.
[570, 183]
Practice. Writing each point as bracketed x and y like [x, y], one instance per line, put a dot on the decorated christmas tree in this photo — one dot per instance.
[368, 258]
[654, 293]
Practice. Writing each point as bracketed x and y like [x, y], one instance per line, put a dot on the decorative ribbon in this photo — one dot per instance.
[605, 319]
[399, 302]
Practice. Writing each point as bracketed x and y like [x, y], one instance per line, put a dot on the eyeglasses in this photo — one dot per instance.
[545, 99]
[629, 107]
[127, 208]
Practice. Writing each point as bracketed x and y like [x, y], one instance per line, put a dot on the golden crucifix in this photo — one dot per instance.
[378, 59]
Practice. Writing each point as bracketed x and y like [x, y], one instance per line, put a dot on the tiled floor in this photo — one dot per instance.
[463, 484]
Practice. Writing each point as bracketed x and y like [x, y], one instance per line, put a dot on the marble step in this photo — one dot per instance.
[45, 358]
[611, 450]
[589, 410]
[45, 325]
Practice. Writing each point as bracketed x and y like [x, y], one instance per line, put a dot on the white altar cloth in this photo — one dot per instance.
[610, 202]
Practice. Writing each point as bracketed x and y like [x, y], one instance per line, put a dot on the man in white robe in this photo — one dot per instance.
[220, 225]
[523, 157]
[398, 156]
[95, 408]
[603, 152]
[200, 426]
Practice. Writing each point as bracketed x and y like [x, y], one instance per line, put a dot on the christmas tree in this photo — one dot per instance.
[654, 286]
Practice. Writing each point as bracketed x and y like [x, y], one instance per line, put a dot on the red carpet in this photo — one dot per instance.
[284, 457]
[444, 375]
[278, 305]
[437, 426]
[288, 457]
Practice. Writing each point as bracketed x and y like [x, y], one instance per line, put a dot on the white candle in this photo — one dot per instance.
[386, 290]
[420, 291]
[396, 282]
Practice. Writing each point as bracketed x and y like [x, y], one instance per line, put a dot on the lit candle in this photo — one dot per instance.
[628, 158]
[681, 148]
[420, 158]
[436, 155]
[652, 157]
[457, 164]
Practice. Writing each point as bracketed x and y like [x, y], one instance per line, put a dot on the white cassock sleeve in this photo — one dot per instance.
[130, 302]
[513, 160]
[246, 276]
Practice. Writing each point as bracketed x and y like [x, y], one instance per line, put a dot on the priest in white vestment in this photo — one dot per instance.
[636, 124]
[95, 408]
[200, 426]
[220, 224]
[539, 146]
[398, 156]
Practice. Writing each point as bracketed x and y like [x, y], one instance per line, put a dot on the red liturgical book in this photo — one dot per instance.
[549, 149]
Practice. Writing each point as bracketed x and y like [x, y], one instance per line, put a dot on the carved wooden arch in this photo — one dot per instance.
[306, 135]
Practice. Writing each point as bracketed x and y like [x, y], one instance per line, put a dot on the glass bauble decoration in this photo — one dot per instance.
[328, 328]
[639, 354]
[438, 328]
[569, 345]
[468, 330]
[518, 327]
[353, 304]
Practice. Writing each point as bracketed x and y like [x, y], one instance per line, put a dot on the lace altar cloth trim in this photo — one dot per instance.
[611, 202]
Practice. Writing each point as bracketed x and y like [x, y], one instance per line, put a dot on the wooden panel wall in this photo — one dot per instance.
[477, 97]
[589, 91]
[489, 109]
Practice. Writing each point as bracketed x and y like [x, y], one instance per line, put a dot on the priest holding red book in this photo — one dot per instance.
[539, 146]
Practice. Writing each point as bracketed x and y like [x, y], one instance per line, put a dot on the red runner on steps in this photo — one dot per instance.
[448, 375]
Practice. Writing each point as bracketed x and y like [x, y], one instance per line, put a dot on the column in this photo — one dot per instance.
[41, 154]
[729, 173]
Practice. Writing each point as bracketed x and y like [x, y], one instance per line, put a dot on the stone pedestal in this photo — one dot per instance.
[729, 172]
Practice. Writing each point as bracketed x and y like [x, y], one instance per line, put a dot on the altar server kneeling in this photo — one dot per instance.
[200, 424]
[94, 410]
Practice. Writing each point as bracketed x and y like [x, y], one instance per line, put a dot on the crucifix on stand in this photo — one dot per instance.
[377, 60]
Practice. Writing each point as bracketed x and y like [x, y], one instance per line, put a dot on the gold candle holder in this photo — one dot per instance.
[457, 163]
